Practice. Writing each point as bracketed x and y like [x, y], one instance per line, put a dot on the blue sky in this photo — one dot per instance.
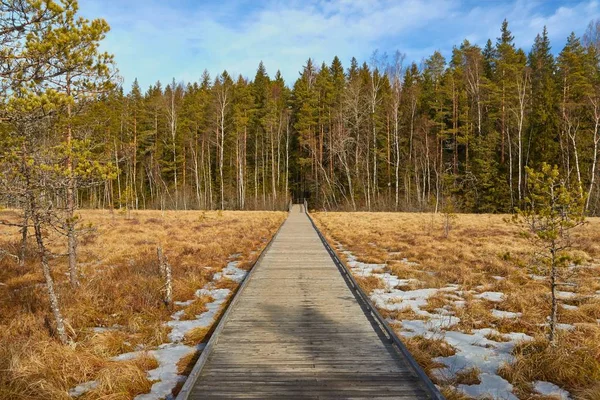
[164, 39]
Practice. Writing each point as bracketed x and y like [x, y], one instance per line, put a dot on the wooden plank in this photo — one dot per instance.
[297, 331]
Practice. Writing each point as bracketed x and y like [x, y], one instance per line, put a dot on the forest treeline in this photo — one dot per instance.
[386, 134]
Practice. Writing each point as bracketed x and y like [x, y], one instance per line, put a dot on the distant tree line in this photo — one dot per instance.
[382, 135]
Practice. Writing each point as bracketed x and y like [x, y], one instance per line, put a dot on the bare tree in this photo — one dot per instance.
[395, 75]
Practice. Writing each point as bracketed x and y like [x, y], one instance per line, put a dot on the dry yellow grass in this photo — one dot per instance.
[486, 253]
[120, 289]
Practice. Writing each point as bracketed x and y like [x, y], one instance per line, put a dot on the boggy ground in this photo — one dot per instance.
[126, 341]
[469, 308]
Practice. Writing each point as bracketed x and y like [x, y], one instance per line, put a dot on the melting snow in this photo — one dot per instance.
[83, 388]
[397, 299]
[505, 314]
[180, 328]
[491, 385]
[473, 350]
[565, 295]
[231, 271]
[167, 355]
[566, 327]
[165, 376]
[491, 296]
[569, 307]
[550, 389]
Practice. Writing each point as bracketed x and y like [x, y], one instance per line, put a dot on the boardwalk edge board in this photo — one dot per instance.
[386, 328]
[191, 379]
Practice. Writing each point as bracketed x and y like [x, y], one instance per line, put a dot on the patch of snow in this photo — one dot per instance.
[167, 355]
[569, 307]
[217, 294]
[396, 299]
[231, 271]
[517, 336]
[427, 328]
[565, 327]
[177, 315]
[460, 303]
[392, 281]
[490, 385]
[550, 389]
[184, 303]
[498, 278]
[83, 388]
[505, 314]
[360, 268]
[564, 295]
[475, 350]
[180, 328]
[537, 277]
[491, 296]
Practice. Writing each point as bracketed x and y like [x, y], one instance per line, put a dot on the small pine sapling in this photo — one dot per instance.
[551, 211]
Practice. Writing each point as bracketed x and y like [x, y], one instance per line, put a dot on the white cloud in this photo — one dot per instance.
[153, 39]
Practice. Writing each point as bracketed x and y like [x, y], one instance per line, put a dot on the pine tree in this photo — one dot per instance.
[544, 134]
[77, 72]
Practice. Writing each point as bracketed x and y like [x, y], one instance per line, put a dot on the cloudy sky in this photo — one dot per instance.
[164, 39]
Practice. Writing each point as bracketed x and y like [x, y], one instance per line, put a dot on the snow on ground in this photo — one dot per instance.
[165, 376]
[569, 307]
[180, 328]
[83, 388]
[505, 314]
[491, 385]
[564, 295]
[537, 277]
[491, 296]
[566, 327]
[550, 389]
[473, 350]
[231, 271]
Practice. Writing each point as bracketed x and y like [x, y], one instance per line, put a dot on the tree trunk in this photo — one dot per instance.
[594, 158]
[24, 229]
[554, 310]
[71, 192]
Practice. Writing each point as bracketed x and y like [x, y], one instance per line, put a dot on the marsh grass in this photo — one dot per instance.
[120, 293]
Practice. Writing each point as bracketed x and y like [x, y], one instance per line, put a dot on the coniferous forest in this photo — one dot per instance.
[386, 133]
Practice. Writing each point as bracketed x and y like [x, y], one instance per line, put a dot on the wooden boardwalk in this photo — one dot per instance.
[297, 331]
